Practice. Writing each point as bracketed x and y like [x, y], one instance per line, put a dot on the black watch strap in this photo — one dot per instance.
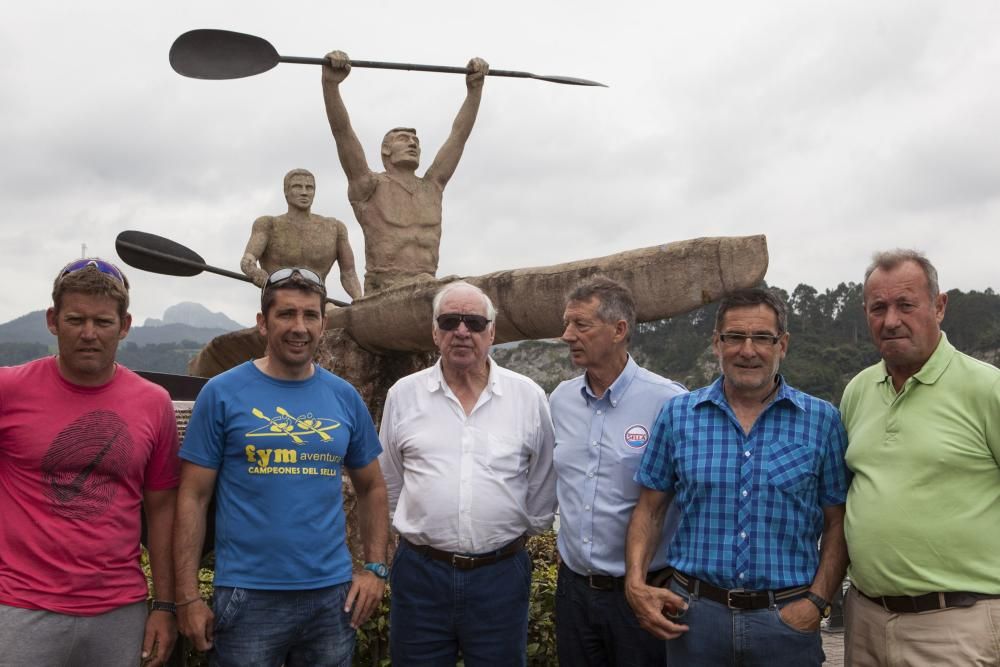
[821, 604]
[161, 605]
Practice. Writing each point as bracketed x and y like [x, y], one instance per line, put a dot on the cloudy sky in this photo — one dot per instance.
[833, 127]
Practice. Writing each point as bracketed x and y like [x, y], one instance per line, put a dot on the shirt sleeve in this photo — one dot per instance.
[364, 446]
[541, 494]
[163, 469]
[204, 440]
[834, 477]
[656, 470]
[390, 460]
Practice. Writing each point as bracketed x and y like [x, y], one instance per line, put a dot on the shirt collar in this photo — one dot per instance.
[932, 369]
[717, 396]
[435, 379]
[617, 388]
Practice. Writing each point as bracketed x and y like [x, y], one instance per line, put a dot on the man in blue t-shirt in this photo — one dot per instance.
[272, 438]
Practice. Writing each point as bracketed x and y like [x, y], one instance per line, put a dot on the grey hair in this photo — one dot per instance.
[755, 296]
[890, 259]
[615, 301]
[491, 311]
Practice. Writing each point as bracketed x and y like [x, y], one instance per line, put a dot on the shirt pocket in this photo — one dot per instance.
[791, 466]
[504, 454]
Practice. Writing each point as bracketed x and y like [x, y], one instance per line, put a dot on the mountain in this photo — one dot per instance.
[195, 315]
[30, 328]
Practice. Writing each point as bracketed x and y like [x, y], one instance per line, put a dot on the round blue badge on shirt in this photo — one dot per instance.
[636, 436]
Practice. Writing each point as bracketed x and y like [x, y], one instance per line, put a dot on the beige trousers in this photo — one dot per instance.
[960, 636]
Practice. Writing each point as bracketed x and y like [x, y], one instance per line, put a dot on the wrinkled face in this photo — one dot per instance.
[300, 192]
[403, 150]
[750, 367]
[462, 349]
[293, 327]
[592, 341]
[88, 330]
[904, 321]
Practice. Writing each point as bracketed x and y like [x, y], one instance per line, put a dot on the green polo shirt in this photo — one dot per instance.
[923, 511]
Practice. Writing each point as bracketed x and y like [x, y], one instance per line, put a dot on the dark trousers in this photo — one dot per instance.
[595, 628]
[438, 610]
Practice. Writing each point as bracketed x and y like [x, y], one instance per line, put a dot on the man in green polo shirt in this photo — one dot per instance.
[923, 510]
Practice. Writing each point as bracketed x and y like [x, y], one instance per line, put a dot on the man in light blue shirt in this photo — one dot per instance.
[602, 423]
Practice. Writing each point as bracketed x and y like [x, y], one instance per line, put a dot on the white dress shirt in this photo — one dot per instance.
[468, 483]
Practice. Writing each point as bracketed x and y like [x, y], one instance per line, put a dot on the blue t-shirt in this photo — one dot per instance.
[279, 447]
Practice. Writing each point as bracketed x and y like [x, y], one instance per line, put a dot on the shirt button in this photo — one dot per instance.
[746, 493]
[743, 535]
[590, 474]
[747, 453]
[586, 540]
[594, 443]
[586, 507]
[598, 412]
[741, 575]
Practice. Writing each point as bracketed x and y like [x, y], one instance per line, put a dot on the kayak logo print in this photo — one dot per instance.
[297, 429]
[83, 467]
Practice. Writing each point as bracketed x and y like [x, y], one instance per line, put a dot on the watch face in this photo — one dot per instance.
[379, 569]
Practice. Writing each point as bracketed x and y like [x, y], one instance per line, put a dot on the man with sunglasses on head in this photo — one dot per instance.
[468, 465]
[272, 438]
[85, 445]
[757, 471]
[602, 423]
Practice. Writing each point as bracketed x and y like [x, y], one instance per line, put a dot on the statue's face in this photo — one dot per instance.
[300, 192]
[403, 150]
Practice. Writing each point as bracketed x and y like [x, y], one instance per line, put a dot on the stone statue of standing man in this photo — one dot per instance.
[399, 212]
[300, 238]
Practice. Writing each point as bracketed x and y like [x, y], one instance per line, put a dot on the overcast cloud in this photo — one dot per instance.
[835, 128]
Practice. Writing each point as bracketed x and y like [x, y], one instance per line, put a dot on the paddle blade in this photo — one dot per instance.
[156, 254]
[221, 54]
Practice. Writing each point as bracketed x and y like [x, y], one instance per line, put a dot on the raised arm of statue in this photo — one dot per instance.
[345, 260]
[446, 161]
[260, 235]
[352, 156]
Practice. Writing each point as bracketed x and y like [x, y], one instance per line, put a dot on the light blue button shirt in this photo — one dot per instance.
[599, 443]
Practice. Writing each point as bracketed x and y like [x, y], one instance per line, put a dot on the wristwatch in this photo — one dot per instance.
[821, 604]
[380, 570]
[163, 605]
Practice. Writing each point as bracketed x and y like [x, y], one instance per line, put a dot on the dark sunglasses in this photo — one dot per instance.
[107, 268]
[281, 275]
[450, 322]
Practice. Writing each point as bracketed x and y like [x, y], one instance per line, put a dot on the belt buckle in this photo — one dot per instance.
[729, 597]
[598, 586]
[463, 562]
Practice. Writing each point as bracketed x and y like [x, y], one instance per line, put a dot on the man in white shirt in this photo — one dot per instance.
[468, 465]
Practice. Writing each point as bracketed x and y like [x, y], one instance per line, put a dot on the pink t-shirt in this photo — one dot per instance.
[74, 463]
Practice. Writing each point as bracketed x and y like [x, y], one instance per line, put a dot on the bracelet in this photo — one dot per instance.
[163, 605]
[187, 602]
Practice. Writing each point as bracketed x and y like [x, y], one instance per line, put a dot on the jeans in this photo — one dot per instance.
[718, 635]
[596, 628]
[438, 610]
[264, 628]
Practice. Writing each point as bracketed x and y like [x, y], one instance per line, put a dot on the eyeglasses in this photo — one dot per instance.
[107, 268]
[281, 275]
[757, 340]
[450, 322]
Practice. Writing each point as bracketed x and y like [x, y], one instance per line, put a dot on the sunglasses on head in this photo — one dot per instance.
[107, 268]
[281, 275]
[450, 322]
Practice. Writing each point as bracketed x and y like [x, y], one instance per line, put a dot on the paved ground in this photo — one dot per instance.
[833, 646]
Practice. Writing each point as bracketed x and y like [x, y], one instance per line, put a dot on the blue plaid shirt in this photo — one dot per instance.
[750, 504]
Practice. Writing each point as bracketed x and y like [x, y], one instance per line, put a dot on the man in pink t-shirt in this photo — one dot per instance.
[85, 445]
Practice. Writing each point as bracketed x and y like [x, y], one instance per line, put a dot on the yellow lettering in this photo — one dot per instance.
[264, 456]
[250, 453]
[285, 456]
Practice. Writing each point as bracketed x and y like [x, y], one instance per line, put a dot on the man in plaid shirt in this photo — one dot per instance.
[757, 469]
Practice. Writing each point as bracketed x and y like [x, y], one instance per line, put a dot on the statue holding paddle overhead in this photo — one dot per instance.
[399, 212]
[300, 238]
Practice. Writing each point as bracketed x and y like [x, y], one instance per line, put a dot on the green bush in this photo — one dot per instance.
[372, 646]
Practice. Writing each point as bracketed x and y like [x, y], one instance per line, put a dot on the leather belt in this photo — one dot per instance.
[605, 582]
[469, 561]
[738, 598]
[904, 604]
